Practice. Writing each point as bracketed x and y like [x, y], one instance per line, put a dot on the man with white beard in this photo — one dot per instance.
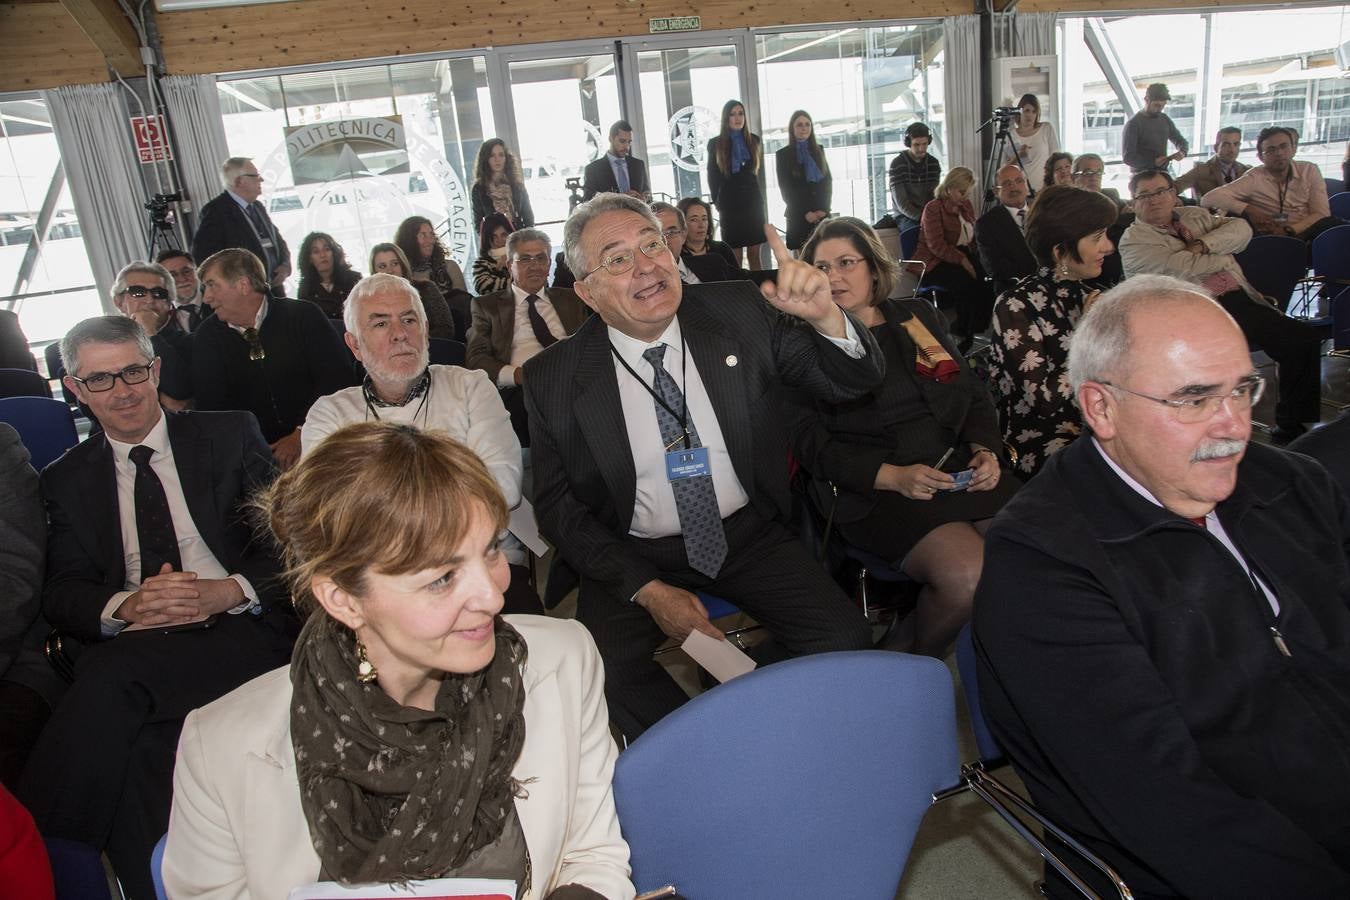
[1163, 620]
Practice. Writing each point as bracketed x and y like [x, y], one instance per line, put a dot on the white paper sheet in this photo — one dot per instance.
[723, 659]
[525, 527]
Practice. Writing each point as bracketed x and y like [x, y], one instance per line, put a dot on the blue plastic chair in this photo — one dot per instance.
[46, 426]
[1340, 205]
[1334, 186]
[1274, 265]
[447, 352]
[157, 868]
[77, 870]
[23, 383]
[808, 778]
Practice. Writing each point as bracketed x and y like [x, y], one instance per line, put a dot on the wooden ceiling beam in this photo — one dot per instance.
[109, 28]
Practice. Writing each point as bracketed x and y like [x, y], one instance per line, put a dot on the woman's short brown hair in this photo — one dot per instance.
[376, 497]
[864, 240]
[1064, 214]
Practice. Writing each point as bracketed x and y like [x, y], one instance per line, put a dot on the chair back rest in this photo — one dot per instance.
[1340, 320]
[1334, 186]
[77, 870]
[985, 744]
[23, 383]
[1340, 205]
[909, 242]
[57, 371]
[447, 352]
[1331, 253]
[1274, 264]
[157, 868]
[807, 778]
[46, 426]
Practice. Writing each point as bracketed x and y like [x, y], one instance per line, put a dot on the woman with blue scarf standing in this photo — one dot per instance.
[736, 183]
[804, 179]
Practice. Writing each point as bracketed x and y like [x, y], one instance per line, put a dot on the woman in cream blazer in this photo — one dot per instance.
[237, 830]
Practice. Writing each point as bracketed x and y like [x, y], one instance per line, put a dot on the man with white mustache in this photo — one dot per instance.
[1163, 621]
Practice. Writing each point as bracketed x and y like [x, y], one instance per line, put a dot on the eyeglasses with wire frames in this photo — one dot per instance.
[256, 351]
[671, 233]
[844, 263]
[621, 262]
[98, 382]
[1202, 408]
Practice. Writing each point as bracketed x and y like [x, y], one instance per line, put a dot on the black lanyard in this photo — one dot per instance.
[1283, 189]
[371, 410]
[683, 415]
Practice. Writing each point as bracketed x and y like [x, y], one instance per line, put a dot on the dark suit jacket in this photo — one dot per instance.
[711, 267]
[223, 225]
[305, 360]
[599, 177]
[221, 460]
[494, 325]
[1206, 176]
[1003, 249]
[584, 479]
[173, 346]
[800, 196]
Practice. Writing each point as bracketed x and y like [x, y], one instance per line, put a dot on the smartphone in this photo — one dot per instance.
[962, 479]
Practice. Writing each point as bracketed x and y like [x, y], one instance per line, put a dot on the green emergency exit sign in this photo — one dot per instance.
[673, 23]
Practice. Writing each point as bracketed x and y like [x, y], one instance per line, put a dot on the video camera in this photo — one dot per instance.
[159, 207]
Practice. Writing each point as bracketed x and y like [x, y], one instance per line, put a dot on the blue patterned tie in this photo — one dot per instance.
[705, 543]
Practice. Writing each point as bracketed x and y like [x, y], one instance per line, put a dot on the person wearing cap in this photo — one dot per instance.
[1144, 144]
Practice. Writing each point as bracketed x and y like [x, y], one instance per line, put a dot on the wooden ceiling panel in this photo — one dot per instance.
[42, 47]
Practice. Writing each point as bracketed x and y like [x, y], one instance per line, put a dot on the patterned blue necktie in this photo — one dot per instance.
[705, 543]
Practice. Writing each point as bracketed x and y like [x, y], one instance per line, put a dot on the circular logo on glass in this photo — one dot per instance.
[690, 130]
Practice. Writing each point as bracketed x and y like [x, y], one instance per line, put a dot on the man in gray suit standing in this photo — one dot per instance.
[660, 455]
[512, 325]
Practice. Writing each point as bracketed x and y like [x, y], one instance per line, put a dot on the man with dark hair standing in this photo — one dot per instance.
[1219, 169]
[188, 310]
[269, 355]
[1144, 143]
[1280, 196]
[914, 176]
[618, 171]
[154, 569]
[235, 219]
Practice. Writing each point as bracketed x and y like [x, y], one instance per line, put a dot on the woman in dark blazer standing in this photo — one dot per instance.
[890, 453]
[499, 186]
[736, 183]
[804, 179]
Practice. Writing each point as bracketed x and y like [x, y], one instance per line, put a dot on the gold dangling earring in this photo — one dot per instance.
[365, 669]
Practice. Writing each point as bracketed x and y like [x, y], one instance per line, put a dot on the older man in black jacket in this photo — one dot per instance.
[1163, 623]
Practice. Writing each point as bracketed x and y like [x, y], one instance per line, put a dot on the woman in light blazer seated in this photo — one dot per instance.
[416, 733]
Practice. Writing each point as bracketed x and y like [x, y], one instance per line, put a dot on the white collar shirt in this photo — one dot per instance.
[524, 345]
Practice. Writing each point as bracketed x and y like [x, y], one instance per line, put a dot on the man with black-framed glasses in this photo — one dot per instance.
[1163, 620]
[145, 292]
[1189, 242]
[159, 588]
[660, 453]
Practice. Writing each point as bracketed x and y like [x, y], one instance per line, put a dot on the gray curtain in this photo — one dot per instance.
[1024, 33]
[93, 132]
[198, 133]
[961, 98]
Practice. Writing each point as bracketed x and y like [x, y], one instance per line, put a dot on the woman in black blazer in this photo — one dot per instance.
[891, 454]
[804, 179]
[499, 187]
[736, 183]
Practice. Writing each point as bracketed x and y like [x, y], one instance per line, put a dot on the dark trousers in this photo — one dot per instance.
[1310, 233]
[102, 771]
[520, 596]
[23, 713]
[1296, 348]
[513, 398]
[768, 573]
[972, 297]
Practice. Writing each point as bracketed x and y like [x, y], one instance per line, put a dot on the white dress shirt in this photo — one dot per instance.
[524, 345]
[1212, 524]
[686, 276]
[654, 511]
[192, 549]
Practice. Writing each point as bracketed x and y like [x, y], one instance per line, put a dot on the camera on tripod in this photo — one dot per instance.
[1005, 116]
[159, 207]
[573, 185]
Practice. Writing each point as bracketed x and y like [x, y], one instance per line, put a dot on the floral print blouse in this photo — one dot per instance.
[1029, 366]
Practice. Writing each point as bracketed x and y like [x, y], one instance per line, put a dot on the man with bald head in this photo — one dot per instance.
[660, 456]
[1163, 621]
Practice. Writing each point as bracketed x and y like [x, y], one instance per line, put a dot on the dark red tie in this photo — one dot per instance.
[1200, 522]
[154, 523]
